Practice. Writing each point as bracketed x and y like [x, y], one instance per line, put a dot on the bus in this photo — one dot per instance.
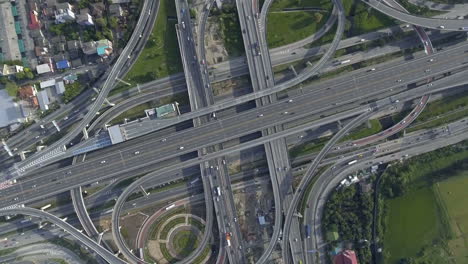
[170, 207]
[45, 207]
[352, 162]
[307, 231]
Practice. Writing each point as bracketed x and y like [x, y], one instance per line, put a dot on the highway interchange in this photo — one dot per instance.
[332, 100]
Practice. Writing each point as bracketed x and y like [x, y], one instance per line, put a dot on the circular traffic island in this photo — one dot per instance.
[183, 241]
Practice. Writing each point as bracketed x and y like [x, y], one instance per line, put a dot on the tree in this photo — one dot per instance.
[11, 88]
[318, 17]
[114, 22]
[101, 22]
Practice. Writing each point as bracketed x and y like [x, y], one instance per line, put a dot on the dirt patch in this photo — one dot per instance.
[130, 225]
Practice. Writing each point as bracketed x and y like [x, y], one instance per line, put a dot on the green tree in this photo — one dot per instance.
[11, 88]
[102, 22]
[318, 17]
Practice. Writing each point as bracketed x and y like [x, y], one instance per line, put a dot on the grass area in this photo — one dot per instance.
[160, 56]
[419, 10]
[185, 242]
[166, 253]
[288, 27]
[132, 114]
[412, 221]
[308, 147]
[427, 222]
[82, 253]
[202, 256]
[165, 231]
[230, 30]
[442, 111]
[157, 224]
[197, 224]
[451, 192]
[58, 261]
[372, 127]
[7, 251]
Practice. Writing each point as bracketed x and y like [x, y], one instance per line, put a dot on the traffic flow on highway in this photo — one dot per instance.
[233, 159]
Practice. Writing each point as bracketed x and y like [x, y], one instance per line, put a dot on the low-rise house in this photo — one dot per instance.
[34, 22]
[59, 87]
[97, 9]
[43, 68]
[115, 10]
[102, 47]
[62, 64]
[346, 257]
[84, 19]
[10, 69]
[43, 100]
[28, 93]
[48, 83]
[64, 13]
[41, 51]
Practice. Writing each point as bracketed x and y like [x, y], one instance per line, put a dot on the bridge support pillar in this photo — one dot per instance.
[108, 102]
[309, 63]
[143, 190]
[96, 90]
[85, 133]
[340, 125]
[22, 155]
[8, 150]
[291, 67]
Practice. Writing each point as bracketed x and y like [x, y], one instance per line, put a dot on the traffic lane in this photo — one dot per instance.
[377, 74]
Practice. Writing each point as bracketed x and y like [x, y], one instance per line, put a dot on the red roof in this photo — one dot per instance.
[34, 21]
[346, 257]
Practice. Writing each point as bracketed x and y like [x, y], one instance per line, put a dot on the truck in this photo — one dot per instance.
[352, 162]
[228, 239]
[307, 231]
[345, 61]
[45, 207]
[218, 191]
[170, 207]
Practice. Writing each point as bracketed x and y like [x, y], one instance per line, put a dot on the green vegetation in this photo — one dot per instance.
[185, 242]
[348, 211]
[133, 113]
[228, 20]
[166, 253]
[153, 231]
[7, 251]
[308, 147]
[202, 256]
[11, 88]
[372, 127]
[197, 224]
[58, 261]
[72, 90]
[422, 221]
[288, 27]
[165, 231]
[26, 74]
[442, 111]
[82, 253]
[419, 10]
[160, 56]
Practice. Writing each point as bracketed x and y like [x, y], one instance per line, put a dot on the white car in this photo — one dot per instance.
[103, 161]
[181, 147]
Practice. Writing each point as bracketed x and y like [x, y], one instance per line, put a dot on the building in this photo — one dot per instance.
[43, 99]
[59, 87]
[62, 64]
[168, 110]
[64, 13]
[104, 47]
[10, 69]
[84, 19]
[34, 22]
[11, 111]
[28, 93]
[346, 257]
[41, 51]
[43, 68]
[115, 10]
[48, 83]
[9, 46]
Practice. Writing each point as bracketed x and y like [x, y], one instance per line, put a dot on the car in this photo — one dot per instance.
[259, 115]
[427, 70]
[181, 147]
[397, 101]
[163, 140]
[441, 27]
[285, 112]
[373, 69]
[290, 100]
[235, 219]
[431, 60]
[103, 161]
[399, 80]
[137, 152]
